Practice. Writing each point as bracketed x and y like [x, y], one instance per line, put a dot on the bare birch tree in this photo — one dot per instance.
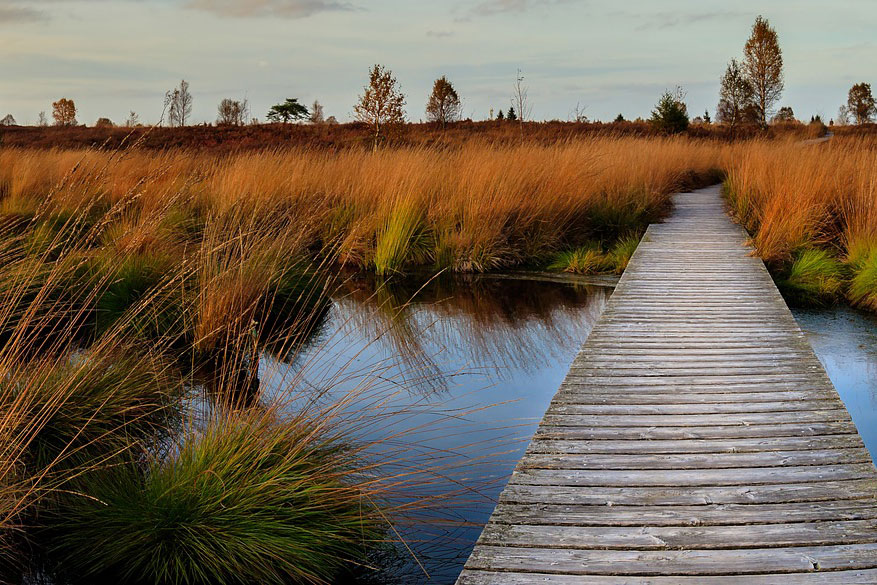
[521, 101]
[317, 113]
[232, 112]
[179, 104]
[381, 102]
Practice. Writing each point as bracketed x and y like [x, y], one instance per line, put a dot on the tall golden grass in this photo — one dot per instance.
[793, 197]
[475, 208]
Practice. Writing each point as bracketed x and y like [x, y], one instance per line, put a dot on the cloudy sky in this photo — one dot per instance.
[112, 56]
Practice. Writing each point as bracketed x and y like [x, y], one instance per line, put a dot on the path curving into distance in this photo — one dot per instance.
[696, 438]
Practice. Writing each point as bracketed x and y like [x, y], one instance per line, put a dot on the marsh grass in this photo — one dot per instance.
[163, 297]
[808, 207]
[471, 208]
[622, 251]
[585, 260]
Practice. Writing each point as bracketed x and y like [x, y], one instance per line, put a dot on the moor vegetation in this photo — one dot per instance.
[140, 290]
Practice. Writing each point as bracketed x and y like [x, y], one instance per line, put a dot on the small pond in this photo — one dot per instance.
[466, 367]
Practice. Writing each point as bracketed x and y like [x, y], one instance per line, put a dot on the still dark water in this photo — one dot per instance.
[456, 374]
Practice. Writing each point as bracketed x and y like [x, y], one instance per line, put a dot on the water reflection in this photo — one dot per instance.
[467, 364]
[845, 341]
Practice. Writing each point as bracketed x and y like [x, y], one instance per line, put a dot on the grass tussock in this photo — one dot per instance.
[813, 277]
[250, 499]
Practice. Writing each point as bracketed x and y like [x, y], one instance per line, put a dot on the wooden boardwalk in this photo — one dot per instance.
[696, 438]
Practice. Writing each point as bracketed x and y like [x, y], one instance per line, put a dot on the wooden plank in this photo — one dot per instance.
[651, 537]
[565, 406]
[673, 562]
[473, 577]
[695, 439]
[706, 515]
[593, 395]
[793, 429]
[654, 446]
[684, 420]
[679, 461]
[692, 477]
[699, 495]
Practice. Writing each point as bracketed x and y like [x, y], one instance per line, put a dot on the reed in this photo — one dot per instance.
[130, 301]
[472, 208]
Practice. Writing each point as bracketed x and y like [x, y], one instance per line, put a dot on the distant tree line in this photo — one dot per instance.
[749, 91]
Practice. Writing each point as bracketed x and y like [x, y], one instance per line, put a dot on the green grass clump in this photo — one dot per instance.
[588, 259]
[130, 282]
[249, 499]
[815, 277]
[622, 251]
[402, 239]
[862, 259]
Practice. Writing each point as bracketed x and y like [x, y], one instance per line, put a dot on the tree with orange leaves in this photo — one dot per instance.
[64, 112]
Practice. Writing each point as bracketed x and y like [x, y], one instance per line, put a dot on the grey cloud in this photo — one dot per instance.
[439, 34]
[491, 7]
[16, 14]
[665, 20]
[279, 8]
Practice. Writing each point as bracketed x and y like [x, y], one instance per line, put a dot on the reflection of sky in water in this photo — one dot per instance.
[456, 348]
[846, 343]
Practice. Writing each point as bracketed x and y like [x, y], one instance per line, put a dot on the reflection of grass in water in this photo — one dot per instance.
[500, 324]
